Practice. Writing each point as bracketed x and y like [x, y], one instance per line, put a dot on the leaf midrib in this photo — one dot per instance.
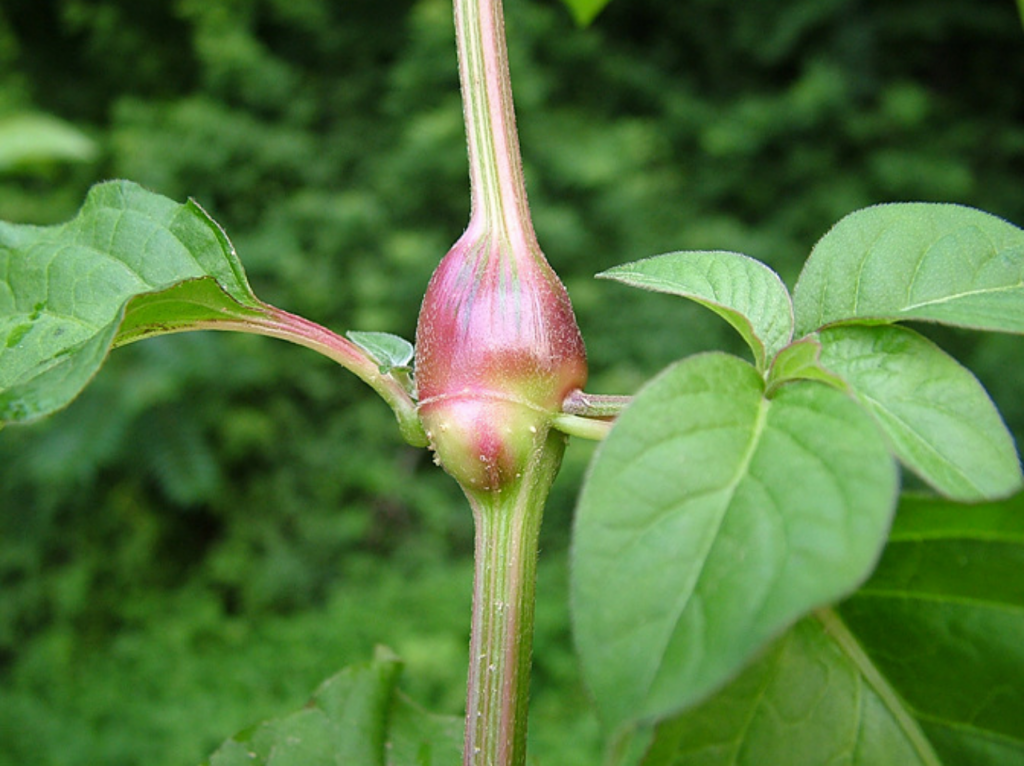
[973, 731]
[960, 296]
[847, 642]
[729, 491]
[921, 441]
[939, 598]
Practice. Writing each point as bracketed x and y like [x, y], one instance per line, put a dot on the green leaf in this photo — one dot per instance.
[943, 619]
[389, 351]
[585, 11]
[801, 360]
[940, 263]
[923, 665]
[938, 417]
[65, 289]
[813, 698]
[188, 305]
[712, 518]
[27, 139]
[743, 291]
[420, 738]
[133, 264]
[356, 718]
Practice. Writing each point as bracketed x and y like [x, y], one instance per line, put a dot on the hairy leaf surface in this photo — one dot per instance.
[924, 665]
[943, 620]
[713, 518]
[932, 262]
[65, 289]
[813, 698]
[938, 417]
[743, 291]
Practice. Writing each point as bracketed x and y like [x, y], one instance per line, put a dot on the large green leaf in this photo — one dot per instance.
[941, 263]
[943, 620]
[356, 718]
[939, 419]
[743, 291]
[64, 289]
[712, 518]
[133, 264]
[814, 698]
[923, 665]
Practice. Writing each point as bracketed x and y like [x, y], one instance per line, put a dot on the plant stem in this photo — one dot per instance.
[507, 530]
[497, 189]
[507, 519]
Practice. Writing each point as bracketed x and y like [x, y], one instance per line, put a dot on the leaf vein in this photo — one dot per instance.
[688, 590]
[867, 591]
[961, 295]
[847, 642]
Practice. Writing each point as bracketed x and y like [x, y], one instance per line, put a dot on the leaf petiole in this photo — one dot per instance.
[594, 429]
[595, 405]
[277, 323]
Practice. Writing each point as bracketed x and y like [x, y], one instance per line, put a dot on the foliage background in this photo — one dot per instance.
[220, 522]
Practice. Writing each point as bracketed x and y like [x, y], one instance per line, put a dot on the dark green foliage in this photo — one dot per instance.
[220, 506]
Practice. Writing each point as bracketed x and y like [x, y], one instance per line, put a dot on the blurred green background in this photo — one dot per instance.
[220, 522]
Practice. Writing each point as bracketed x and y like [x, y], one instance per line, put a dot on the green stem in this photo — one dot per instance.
[275, 323]
[507, 530]
[507, 520]
[497, 188]
[594, 429]
[590, 416]
[595, 405]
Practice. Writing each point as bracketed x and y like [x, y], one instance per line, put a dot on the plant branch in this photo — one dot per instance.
[507, 530]
[276, 323]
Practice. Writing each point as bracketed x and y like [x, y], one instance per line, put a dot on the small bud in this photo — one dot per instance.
[497, 351]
